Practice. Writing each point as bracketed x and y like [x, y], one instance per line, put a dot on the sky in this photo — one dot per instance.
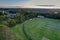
[29, 2]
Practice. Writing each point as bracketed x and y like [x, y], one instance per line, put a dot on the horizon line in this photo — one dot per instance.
[25, 6]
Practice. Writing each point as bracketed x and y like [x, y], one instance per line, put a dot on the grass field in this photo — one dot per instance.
[18, 32]
[39, 29]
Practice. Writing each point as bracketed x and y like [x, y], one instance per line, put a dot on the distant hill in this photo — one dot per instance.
[39, 10]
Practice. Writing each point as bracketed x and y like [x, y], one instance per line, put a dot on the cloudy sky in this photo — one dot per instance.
[29, 2]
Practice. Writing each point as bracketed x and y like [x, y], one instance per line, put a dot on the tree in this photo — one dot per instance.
[12, 23]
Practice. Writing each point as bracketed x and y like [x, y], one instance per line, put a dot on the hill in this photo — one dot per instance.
[38, 29]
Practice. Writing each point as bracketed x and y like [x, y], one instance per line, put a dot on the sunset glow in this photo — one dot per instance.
[46, 7]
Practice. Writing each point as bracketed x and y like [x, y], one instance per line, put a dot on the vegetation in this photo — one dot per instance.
[37, 29]
[12, 25]
[6, 33]
[19, 16]
[51, 15]
[17, 30]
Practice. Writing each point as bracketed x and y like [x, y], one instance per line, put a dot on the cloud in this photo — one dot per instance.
[29, 2]
[43, 2]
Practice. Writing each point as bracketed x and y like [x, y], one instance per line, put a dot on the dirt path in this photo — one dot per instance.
[25, 33]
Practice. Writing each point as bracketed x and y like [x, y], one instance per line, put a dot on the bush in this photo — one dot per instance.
[12, 23]
[6, 33]
[4, 23]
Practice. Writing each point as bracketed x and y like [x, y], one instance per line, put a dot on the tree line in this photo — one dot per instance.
[22, 16]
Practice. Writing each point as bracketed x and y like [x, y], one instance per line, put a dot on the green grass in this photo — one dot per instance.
[36, 29]
[18, 32]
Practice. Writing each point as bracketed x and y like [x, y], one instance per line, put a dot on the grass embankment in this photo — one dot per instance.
[37, 29]
[18, 32]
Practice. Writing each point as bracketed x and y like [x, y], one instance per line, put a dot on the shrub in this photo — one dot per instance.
[12, 23]
[6, 33]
